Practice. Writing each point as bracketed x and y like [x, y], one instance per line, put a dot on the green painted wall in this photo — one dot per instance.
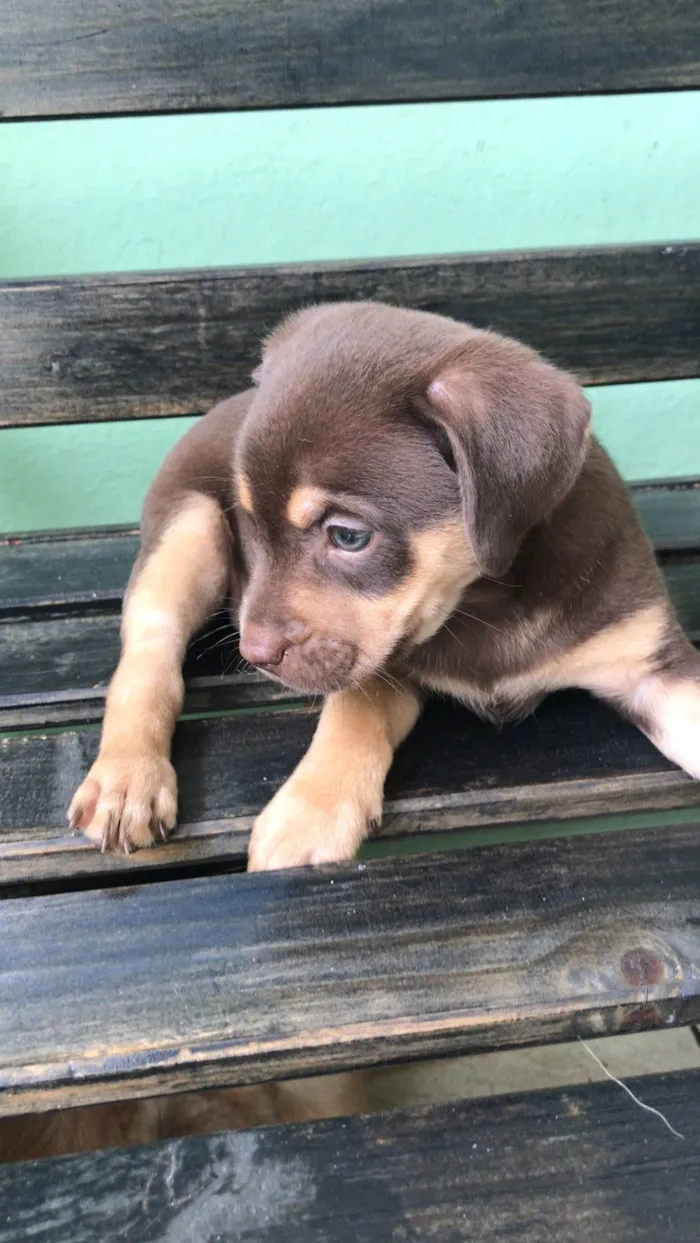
[90, 196]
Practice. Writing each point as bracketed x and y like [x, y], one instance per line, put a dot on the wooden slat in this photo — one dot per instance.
[670, 512]
[56, 666]
[74, 569]
[575, 757]
[144, 345]
[74, 57]
[71, 569]
[577, 1166]
[232, 979]
[55, 669]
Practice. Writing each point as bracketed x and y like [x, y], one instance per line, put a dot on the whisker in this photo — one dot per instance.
[473, 617]
[454, 636]
[227, 638]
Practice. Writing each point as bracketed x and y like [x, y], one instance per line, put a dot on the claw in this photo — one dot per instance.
[107, 833]
[74, 818]
[163, 830]
[126, 847]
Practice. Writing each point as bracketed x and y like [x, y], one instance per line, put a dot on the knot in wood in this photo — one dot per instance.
[641, 966]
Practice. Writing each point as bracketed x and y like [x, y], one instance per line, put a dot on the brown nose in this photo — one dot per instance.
[265, 643]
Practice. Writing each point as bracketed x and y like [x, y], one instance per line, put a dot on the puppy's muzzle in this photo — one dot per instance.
[302, 660]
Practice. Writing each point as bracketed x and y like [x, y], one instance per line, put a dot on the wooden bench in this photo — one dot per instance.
[115, 988]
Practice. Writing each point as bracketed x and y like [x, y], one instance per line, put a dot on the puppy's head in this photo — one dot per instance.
[388, 459]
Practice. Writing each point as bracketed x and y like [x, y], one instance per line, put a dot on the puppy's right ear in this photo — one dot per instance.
[518, 430]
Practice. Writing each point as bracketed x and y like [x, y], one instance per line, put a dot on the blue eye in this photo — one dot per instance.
[349, 539]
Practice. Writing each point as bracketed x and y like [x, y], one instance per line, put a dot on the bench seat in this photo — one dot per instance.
[578, 1166]
[60, 596]
[138, 989]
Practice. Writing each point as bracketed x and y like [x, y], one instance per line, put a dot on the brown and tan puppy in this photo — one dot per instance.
[401, 503]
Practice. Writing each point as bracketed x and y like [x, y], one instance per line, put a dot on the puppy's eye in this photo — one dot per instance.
[349, 539]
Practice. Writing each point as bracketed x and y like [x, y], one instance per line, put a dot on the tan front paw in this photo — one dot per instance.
[301, 826]
[126, 801]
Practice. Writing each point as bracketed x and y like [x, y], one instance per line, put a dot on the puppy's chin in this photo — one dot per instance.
[317, 667]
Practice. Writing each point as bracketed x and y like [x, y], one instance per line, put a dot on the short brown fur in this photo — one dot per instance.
[410, 502]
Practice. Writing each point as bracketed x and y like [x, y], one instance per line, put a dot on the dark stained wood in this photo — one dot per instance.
[72, 570]
[578, 1166]
[670, 512]
[74, 57]
[136, 346]
[576, 757]
[66, 569]
[232, 979]
[57, 661]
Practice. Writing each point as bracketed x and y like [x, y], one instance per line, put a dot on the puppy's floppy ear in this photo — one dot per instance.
[518, 429]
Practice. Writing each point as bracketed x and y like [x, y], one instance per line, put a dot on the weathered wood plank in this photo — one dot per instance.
[81, 58]
[55, 668]
[233, 979]
[143, 345]
[66, 569]
[576, 1166]
[670, 512]
[73, 570]
[576, 757]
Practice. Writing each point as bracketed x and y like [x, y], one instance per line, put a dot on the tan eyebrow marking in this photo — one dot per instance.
[245, 496]
[305, 506]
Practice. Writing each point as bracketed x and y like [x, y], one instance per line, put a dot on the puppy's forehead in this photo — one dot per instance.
[392, 470]
[334, 411]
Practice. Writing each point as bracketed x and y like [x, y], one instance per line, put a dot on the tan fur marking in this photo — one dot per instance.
[610, 663]
[672, 707]
[131, 786]
[444, 566]
[620, 652]
[325, 809]
[244, 493]
[305, 506]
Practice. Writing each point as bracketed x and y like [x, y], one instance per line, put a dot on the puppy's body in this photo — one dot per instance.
[584, 590]
[29, 1137]
[402, 502]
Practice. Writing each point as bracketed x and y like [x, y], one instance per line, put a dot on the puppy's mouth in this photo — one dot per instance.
[317, 667]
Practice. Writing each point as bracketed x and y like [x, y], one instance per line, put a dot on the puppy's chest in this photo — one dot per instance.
[499, 672]
[504, 699]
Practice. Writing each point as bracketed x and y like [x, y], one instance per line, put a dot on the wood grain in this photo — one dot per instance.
[77, 57]
[74, 570]
[144, 345]
[232, 979]
[66, 570]
[57, 661]
[577, 1166]
[576, 757]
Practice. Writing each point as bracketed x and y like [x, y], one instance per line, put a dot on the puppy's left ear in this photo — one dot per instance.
[518, 429]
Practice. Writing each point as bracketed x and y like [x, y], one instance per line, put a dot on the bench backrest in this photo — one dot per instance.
[169, 343]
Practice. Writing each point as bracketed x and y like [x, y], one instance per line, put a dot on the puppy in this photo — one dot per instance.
[402, 503]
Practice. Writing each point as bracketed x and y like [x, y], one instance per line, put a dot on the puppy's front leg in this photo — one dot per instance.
[130, 793]
[325, 810]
